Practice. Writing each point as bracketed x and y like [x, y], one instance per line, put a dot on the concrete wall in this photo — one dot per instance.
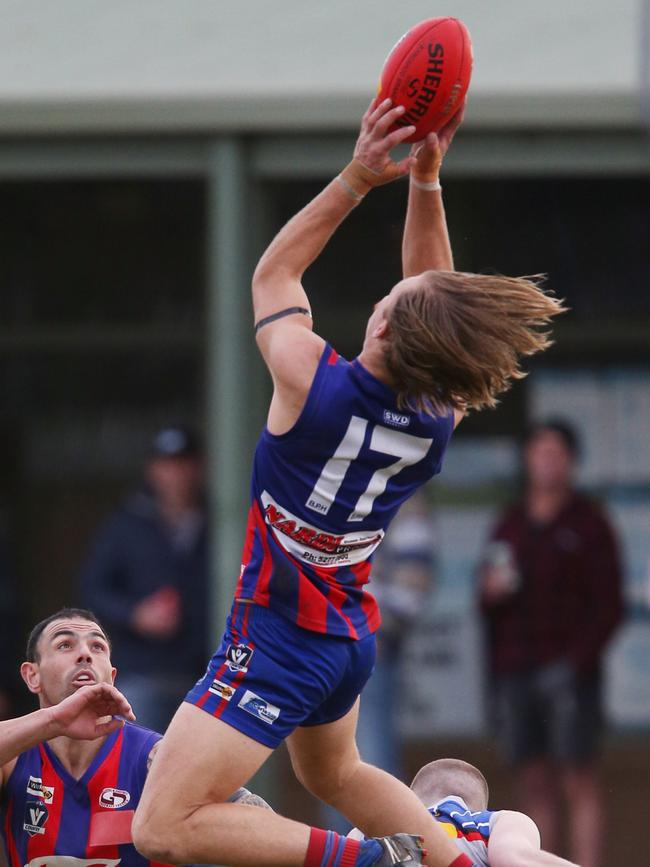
[212, 64]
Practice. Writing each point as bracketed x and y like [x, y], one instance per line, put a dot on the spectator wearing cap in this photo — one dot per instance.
[146, 577]
[550, 593]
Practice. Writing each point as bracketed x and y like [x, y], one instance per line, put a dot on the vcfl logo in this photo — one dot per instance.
[36, 815]
[238, 657]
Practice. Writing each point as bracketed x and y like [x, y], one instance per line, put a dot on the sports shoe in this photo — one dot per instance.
[398, 849]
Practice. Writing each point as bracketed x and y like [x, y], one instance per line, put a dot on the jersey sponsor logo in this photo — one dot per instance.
[36, 789]
[113, 799]
[238, 657]
[71, 861]
[35, 817]
[223, 690]
[312, 545]
[396, 418]
[257, 706]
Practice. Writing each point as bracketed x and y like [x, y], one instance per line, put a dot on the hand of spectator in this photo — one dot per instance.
[89, 713]
[499, 576]
[158, 616]
[496, 583]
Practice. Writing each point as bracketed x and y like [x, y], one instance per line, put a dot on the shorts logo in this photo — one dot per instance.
[238, 657]
[35, 818]
[256, 706]
[113, 799]
[36, 789]
[223, 690]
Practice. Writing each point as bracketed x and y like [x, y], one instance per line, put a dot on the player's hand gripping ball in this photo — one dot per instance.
[428, 72]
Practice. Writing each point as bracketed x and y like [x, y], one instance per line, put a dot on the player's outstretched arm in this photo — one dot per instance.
[277, 283]
[87, 714]
[515, 842]
[426, 245]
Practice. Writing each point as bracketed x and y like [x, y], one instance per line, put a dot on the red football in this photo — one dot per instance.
[428, 72]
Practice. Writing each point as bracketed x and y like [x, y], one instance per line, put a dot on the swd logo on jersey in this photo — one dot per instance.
[238, 656]
[223, 690]
[258, 707]
[35, 817]
[113, 799]
[397, 419]
[36, 789]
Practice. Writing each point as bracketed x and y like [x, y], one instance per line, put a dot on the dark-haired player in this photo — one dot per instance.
[72, 772]
[345, 445]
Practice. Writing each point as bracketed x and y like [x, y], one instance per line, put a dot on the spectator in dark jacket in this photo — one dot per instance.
[146, 577]
[550, 587]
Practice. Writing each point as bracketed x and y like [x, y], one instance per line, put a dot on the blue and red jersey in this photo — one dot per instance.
[324, 493]
[469, 830]
[46, 812]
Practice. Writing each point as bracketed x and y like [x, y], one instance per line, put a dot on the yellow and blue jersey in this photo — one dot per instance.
[469, 830]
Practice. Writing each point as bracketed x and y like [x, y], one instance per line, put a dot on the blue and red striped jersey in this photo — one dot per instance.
[470, 830]
[324, 493]
[47, 813]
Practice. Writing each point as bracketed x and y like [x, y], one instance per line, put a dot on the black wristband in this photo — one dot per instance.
[288, 312]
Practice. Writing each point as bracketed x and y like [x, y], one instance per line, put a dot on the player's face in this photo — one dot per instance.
[71, 654]
[549, 463]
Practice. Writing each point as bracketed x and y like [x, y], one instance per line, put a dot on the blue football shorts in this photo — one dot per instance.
[270, 676]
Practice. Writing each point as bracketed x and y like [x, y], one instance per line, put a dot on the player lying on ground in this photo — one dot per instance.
[72, 772]
[345, 445]
[456, 795]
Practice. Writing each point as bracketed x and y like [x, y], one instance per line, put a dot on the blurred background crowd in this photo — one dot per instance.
[147, 153]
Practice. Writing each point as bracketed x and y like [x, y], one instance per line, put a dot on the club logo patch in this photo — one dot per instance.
[223, 690]
[35, 817]
[113, 799]
[258, 707]
[36, 789]
[238, 657]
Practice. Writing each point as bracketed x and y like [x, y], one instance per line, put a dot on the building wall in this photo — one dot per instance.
[217, 64]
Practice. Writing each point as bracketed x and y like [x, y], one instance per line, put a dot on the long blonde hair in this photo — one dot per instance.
[457, 339]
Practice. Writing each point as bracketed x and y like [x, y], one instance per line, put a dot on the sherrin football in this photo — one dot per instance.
[428, 72]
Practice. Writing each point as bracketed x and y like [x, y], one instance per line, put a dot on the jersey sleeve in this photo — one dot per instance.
[149, 740]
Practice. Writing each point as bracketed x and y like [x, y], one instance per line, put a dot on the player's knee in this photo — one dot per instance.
[325, 780]
[153, 840]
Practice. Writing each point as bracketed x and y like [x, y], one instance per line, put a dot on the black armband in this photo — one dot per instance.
[288, 312]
